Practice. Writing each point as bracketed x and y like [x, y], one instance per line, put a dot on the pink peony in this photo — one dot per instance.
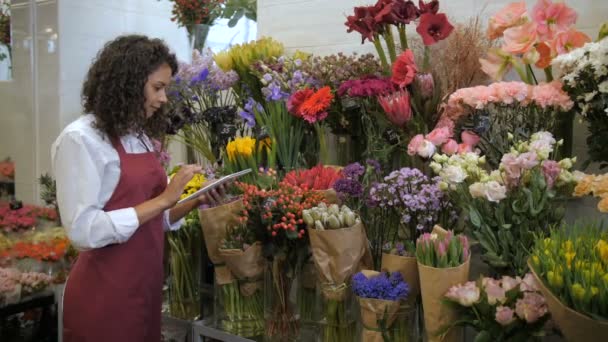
[415, 144]
[504, 315]
[552, 17]
[495, 293]
[439, 136]
[551, 171]
[531, 307]
[520, 39]
[512, 15]
[450, 147]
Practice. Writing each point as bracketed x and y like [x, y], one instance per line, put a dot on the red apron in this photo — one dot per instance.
[114, 293]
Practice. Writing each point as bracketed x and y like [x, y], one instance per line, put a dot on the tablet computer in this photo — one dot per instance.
[214, 184]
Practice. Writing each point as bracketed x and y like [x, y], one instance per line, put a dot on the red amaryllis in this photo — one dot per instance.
[431, 7]
[405, 11]
[433, 28]
[364, 22]
[366, 87]
[316, 178]
[397, 107]
[404, 69]
[310, 105]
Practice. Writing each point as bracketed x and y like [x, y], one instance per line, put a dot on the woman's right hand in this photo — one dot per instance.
[177, 184]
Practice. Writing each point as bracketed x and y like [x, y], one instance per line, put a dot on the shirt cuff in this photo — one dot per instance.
[125, 223]
[167, 226]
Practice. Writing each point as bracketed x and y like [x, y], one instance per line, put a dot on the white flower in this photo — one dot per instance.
[453, 174]
[590, 96]
[603, 87]
[542, 148]
[426, 149]
[495, 192]
[477, 190]
[435, 166]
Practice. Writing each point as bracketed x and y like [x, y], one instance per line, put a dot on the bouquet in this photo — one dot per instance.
[572, 268]
[242, 298]
[583, 72]
[379, 296]
[507, 206]
[504, 309]
[338, 243]
[490, 111]
[316, 178]
[443, 261]
[34, 282]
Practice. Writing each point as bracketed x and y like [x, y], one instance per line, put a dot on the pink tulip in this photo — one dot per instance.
[469, 138]
[439, 136]
[450, 147]
[397, 107]
[412, 147]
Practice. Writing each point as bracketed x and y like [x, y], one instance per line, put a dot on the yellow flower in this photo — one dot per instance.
[594, 291]
[223, 59]
[567, 245]
[569, 257]
[555, 279]
[578, 291]
[535, 260]
[242, 146]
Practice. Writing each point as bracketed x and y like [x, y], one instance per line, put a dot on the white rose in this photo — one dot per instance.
[495, 192]
[477, 190]
[453, 174]
[426, 149]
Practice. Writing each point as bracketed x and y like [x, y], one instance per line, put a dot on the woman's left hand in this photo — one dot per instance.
[213, 197]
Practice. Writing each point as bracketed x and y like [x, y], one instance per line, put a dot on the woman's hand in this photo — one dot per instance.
[177, 184]
[213, 197]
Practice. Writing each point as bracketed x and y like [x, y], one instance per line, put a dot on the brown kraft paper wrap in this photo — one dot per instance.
[245, 265]
[408, 267]
[374, 310]
[337, 252]
[214, 222]
[434, 283]
[574, 325]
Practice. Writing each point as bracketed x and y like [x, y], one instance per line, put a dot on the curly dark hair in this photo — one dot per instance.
[113, 90]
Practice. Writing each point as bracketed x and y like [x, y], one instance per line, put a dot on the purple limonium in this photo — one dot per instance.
[384, 286]
[375, 165]
[347, 187]
[353, 171]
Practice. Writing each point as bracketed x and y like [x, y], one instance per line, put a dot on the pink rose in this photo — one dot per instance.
[504, 315]
[450, 147]
[439, 136]
[469, 138]
[529, 283]
[464, 148]
[496, 294]
[414, 144]
[465, 295]
[531, 307]
[509, 283]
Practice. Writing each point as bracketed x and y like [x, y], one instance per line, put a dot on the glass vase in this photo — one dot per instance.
[337, 319]
[281, 313]
[198, 36]
[184, 255]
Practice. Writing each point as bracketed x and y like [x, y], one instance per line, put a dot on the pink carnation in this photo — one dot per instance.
[551, 95]
[439, 136]
[414, 145]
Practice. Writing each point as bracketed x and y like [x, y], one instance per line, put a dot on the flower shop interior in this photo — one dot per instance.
[417, 170]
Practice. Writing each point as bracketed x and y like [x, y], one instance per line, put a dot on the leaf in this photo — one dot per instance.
[235, 18]
[474, 217]
[483, 336]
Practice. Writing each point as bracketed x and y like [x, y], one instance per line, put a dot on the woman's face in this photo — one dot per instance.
[155, 89]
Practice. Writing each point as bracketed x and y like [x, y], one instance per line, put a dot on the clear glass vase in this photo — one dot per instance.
[337, 320]
[198, 36]
[184, 255]
[281, 314]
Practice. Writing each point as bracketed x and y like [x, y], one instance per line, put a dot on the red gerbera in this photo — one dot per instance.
[296, 100]
[309, 105]
[404, 69]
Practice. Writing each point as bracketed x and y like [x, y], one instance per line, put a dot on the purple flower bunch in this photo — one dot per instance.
[385, 286]
[415, 197]
[335, 69]
[282, 77]
[399, 248]
[204, 73]
[248, 111]
[355, 181]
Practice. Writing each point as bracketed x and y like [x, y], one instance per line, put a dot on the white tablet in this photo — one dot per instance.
[214, 184]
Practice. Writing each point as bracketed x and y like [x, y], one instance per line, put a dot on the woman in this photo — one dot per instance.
[113, 194]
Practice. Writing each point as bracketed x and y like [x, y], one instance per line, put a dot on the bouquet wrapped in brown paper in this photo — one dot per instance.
[401, 257]
[380, 295]
[241, 301]
[338, 244]
[443, 261]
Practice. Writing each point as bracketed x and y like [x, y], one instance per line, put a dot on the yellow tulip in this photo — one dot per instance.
[555, 279]
[578, 291]
[569, 257]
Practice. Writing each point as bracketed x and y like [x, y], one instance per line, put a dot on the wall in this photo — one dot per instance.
[45, 95]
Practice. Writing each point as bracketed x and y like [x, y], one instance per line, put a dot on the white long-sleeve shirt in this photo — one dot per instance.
[87, 170]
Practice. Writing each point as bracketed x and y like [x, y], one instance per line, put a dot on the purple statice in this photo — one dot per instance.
[348, 187]
[384, 286]
[414, 196]
[353, 171]
[223, 80]
[373, 163]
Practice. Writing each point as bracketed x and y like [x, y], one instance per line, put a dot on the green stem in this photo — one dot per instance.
[403, 37]
[531, 75]
[381, 54]
[521, 72]
[323, 153]
[548, 73]
[427, 59]
[390, 43]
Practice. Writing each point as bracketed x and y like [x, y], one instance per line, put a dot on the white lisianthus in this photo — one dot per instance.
[477, 190]
[453, 174]
[495, 192]
[426, 149]
[435, 166]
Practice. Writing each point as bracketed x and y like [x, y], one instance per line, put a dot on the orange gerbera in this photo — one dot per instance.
[314, 107]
